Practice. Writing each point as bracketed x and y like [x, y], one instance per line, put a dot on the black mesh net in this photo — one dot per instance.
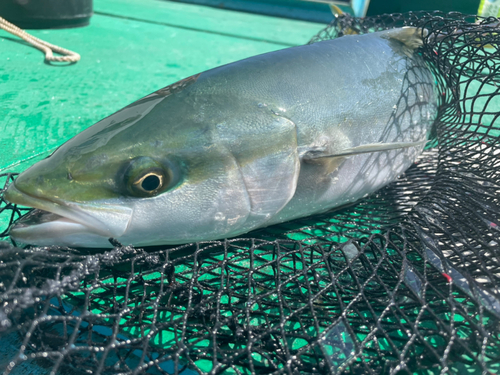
[403, 282]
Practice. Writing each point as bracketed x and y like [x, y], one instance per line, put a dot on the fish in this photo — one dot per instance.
[257, 142]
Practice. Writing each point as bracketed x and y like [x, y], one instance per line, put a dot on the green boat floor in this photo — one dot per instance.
[130, 49]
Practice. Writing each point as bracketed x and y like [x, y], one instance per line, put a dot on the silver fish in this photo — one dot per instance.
[257, 142]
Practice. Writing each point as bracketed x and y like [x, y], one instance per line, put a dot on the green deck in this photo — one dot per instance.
[130, 49]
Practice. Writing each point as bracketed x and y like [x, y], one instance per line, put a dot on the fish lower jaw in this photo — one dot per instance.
[44, 228]
[95, 219]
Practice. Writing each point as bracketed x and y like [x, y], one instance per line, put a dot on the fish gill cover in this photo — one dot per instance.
[404, 282]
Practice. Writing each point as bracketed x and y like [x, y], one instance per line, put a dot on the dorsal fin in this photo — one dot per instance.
[410, 36]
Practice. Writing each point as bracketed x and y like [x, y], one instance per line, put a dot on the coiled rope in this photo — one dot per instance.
[47, 48]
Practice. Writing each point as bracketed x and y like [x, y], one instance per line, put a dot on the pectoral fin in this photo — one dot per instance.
[329, 163]
[363, 149]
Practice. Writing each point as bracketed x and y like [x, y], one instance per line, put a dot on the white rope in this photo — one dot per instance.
[47, 48]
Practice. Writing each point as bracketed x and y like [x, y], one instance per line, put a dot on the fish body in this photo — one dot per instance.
[257, 142]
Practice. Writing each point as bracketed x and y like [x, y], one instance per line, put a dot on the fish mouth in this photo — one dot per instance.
[53, 217]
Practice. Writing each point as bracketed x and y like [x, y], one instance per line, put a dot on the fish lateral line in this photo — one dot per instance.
[364, 149]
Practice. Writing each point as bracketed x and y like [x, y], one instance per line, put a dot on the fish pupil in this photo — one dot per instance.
[150, 183]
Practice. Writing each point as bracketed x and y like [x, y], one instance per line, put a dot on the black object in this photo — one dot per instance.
[404, 282]
[46, 14]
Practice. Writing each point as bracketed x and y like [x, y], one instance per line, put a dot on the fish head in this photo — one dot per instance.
[139, 176]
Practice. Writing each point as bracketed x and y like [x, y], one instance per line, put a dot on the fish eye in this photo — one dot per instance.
[145, 177]
[150, 182]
